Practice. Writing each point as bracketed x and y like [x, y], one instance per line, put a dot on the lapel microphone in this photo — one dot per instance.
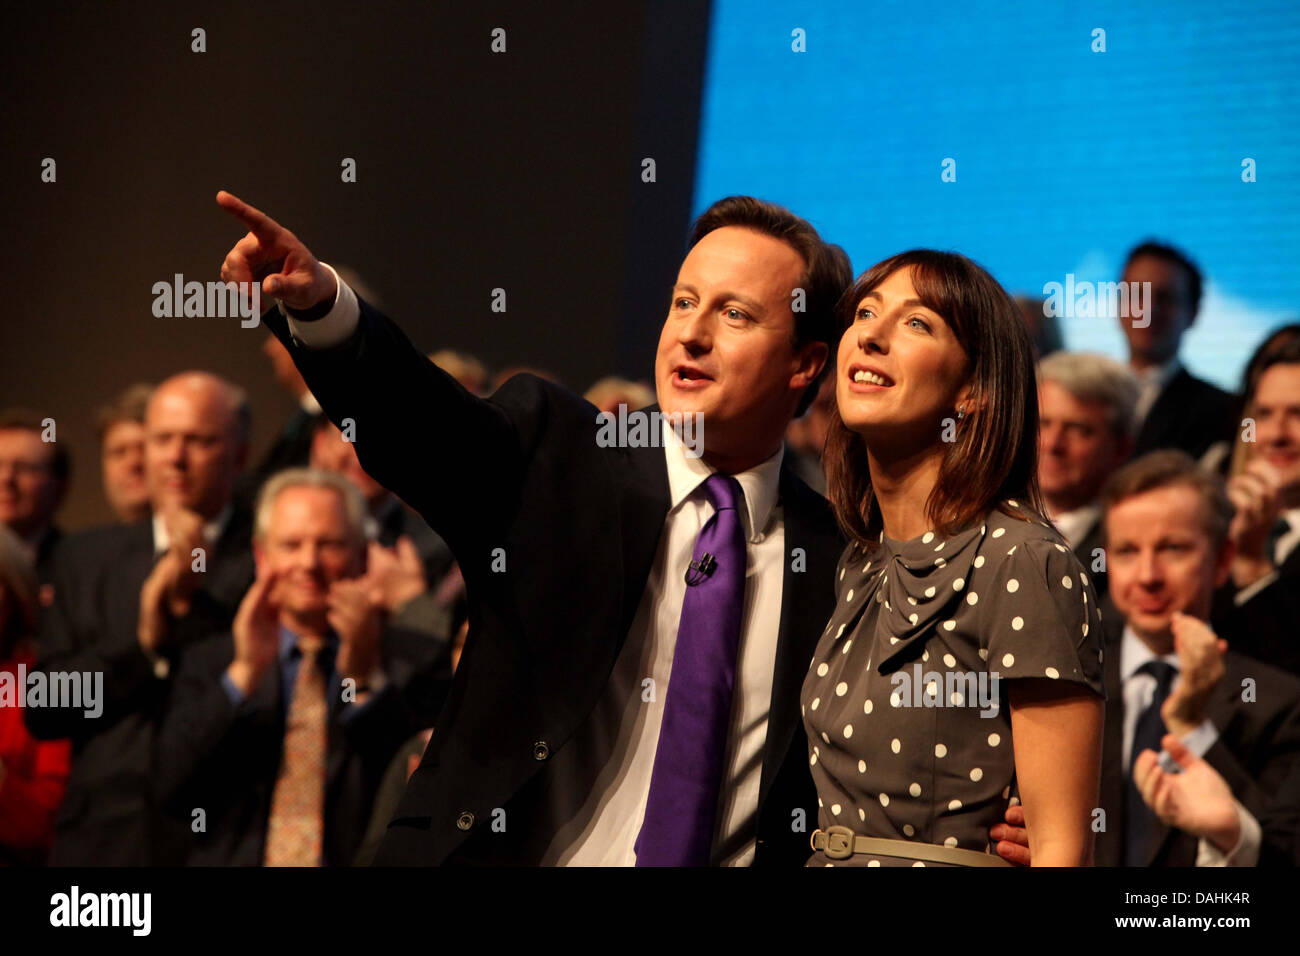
[699, 571]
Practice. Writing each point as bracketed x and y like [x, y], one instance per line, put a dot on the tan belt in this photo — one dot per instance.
[840, 843]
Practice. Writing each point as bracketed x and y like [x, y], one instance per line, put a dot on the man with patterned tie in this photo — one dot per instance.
[280, 731]
[1166, 672]
[641, 616]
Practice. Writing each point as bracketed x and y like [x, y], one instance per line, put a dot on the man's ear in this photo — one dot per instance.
[811, 359]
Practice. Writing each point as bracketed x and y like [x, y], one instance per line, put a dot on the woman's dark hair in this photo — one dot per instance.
[1278, 349]
[995, 452]
[826, 268]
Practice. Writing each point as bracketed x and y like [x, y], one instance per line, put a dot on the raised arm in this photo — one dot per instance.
[454, 457]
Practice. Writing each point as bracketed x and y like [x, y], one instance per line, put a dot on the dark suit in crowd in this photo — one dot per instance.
[224, 758]
[108, 817]
[1189, 413]
[1257, 750]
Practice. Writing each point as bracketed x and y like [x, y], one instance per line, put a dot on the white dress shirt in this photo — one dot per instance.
[598, 795]
[1075, 525]
[1138, 690]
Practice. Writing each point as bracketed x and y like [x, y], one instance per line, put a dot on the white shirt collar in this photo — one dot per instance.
[760, 483]
[1075, 525]
[1133, 653]
[211, 531]
[1159, 375]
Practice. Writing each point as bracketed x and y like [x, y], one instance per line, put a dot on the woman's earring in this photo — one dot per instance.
[961, 413]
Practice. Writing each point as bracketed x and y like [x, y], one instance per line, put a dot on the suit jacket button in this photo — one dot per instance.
[465, 820]
[540, 750]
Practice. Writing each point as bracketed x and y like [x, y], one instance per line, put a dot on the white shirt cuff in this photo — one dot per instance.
[1245, 853]
[1201, 738]
[332, 328]
[1248, 592]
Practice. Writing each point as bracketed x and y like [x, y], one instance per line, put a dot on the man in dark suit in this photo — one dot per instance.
[563, 740]
[1166, 672]
[126, 599]
[1260, 605]
[277, 734]
[1085, 432]
[1175, 408]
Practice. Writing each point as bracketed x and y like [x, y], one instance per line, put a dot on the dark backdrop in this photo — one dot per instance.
[475, 170]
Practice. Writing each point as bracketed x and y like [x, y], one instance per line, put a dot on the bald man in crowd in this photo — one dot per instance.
[127, 599]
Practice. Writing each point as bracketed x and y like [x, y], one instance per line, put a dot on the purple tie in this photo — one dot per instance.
[679, 814]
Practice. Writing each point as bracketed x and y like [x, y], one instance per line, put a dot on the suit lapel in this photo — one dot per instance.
[1110, 842]
[806, 602]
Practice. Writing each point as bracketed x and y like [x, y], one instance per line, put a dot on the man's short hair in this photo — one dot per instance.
[1095, 379]
[827, 272]
[354, 508]
[1171, 468]
[1162, 250]
[26, 420]
[129, 406]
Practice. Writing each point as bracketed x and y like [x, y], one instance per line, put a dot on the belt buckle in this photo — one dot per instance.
[839, 843]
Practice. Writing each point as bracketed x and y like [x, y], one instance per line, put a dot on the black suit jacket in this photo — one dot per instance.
[1267, 626]
[577, 526]
[1257, 749]
[224, 759]
[1190, 414]
[107, 816]
[1093, 541]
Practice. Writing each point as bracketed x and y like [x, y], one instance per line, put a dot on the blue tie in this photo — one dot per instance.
[679, 817]
[1140, 819]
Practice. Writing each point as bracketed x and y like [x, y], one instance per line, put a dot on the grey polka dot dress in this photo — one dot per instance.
[909, 734]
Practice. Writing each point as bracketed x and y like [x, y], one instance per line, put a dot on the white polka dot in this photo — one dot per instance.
[972, 598]
[848, 598]
[1015, 801]
[939, 546]
[1013, 586]
[914, 789]
[841, 689]
[1060, 547]
[954, 804]
[949, 625]
[862, 814]
[1013, 549]
[999, 532]
[1017, 623]
[1006, 791]
[950, 842]
[842, 570]
[1008, 660]
[819, 802]
[836, 808]
[925, 655]
[929, 592]
[913, 618]
[812, 761]
[1053, 673]
[1084, 578]
[994, 740]
[826, 737]
[927, 537]
[977, 775]
[957, 699]
[847, 645]
[940, 750]
[895, 700]
[840, 632]
[866, 707]
[895, 745]
[1085, 600]
[918, 863]
[816, 702]
[872, 862]
[1085, 629]
[932, 689]
[862, 766]
[1066, 582]
[941, 562]
[848, 731]
[909, 830]
[884, 799]
[911, 600]
[893, 640]
[958, 584]
[984, 653]
[979, 561]
[950, 660]
[822, 669]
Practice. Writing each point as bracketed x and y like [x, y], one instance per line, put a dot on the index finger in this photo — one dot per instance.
[258, 222]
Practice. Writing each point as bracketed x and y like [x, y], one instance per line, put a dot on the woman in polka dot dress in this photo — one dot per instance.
[961, 670]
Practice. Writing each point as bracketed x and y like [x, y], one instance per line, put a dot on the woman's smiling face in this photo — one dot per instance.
[900, 367]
